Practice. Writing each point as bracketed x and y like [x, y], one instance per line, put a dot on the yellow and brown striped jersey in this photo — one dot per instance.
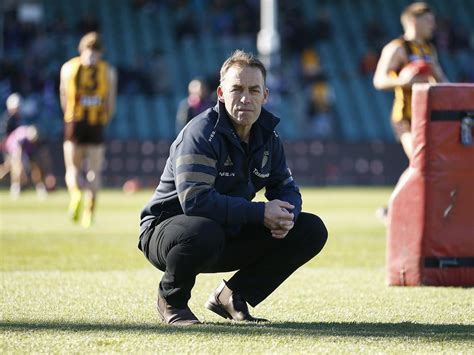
[86, 113]
[402, 103]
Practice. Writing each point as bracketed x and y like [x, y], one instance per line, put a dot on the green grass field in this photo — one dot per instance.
[70, 290]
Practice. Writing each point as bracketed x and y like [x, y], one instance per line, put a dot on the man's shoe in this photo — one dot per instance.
[175, 316]
[230, 305]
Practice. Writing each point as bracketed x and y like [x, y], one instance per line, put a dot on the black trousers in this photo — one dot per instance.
[184, 246]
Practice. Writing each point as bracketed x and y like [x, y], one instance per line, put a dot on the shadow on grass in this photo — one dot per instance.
[341, 329]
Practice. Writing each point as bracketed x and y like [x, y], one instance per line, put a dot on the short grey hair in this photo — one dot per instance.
[242, 58]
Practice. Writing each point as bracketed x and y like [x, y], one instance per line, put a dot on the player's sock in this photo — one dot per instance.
[41, 191]
[15, 190]
[87, 219]
[88, 214]
[75, 204]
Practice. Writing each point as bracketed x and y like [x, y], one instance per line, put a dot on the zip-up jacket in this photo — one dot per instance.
[211, 173]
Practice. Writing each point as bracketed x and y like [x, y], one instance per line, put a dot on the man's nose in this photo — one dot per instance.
[245, 98]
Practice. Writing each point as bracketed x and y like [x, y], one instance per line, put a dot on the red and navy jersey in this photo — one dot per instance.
[211, 173]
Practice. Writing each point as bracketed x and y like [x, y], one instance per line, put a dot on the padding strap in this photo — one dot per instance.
[446, 115]
[446, 261]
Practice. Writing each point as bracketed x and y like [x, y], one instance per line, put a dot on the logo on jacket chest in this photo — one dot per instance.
[265, 158]
[226, 173]
[227, 164]
[266, 154]
[228, 161]
[261, 173]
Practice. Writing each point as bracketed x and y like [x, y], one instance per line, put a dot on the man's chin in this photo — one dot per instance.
[247, 115]
[245, 121]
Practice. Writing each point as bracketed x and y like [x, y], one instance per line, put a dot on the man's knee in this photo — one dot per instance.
[311, 231]
[200, 239]
[204, 235]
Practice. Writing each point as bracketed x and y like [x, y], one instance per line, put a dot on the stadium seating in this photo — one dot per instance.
[132, 34]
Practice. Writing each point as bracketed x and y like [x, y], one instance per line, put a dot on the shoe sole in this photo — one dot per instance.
[217, 310]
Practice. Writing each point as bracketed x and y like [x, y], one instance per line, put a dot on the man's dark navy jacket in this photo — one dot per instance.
[211, 173]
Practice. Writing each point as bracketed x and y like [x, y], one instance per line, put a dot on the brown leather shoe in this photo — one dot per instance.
[175, 316]
[230, 305]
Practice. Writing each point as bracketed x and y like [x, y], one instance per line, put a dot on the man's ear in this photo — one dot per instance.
[220, 93]
[265, 95]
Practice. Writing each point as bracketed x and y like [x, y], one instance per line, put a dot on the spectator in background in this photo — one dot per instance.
[320, 110]
[310, 65]
[319, 115]
[368, 62]
[197, 101]
[88, 94]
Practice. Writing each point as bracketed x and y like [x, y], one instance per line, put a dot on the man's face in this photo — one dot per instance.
[425, 25]
[90, 56]
[243, 93]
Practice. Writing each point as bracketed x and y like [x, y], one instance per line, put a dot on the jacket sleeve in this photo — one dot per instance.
[195, 171]
[280, 183]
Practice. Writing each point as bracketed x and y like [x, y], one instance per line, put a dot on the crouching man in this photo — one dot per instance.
[201, 218]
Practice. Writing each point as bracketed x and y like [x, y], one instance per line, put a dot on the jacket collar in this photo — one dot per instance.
[261, 131]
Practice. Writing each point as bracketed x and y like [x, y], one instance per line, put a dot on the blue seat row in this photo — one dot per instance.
[362, 112]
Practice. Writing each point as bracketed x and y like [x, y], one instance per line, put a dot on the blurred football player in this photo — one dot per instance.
[407, 60]
[21, 146]
[88, 93]
[10, 120]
